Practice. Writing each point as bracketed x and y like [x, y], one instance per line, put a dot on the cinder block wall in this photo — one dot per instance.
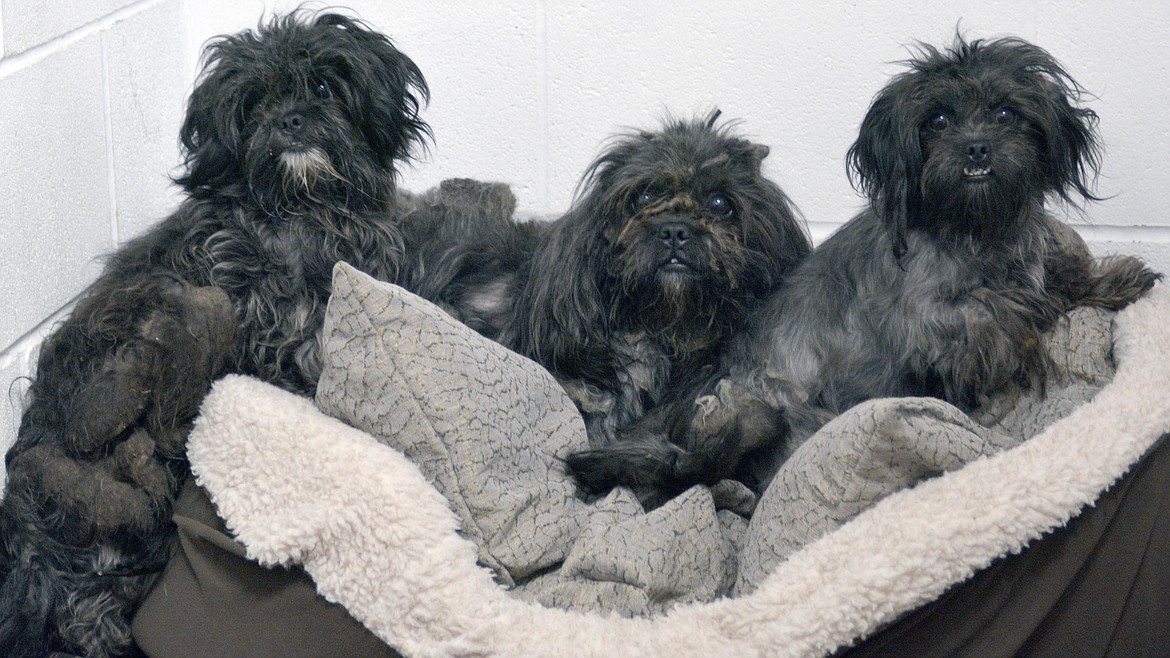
[91, 94]
[525, 91]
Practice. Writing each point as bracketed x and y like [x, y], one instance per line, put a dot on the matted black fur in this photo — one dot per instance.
[942, 288]
[674, 237]
[467, 251]
[291, 139]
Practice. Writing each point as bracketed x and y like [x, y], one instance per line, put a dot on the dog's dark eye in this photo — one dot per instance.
[719, 204]
[321, 90]
[939, 122]
[1005, 116]
[642, 199]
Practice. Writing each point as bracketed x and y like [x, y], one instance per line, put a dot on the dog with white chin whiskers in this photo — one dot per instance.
[292, 140]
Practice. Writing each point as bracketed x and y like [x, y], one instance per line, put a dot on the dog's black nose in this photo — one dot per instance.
[977, 151]
[674, 234]
[292, 122]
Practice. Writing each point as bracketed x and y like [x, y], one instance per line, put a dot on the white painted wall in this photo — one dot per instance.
[525, 92]
[91, 98]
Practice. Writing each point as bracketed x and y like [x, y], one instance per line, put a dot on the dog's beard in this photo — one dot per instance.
[327, 160]
[984, 200]
[676, 288]
[302, 171]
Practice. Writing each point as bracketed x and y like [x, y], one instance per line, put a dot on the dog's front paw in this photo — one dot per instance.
[732, 411]
[992, 358]
[644, 462]
[195, 341]
[993, 345]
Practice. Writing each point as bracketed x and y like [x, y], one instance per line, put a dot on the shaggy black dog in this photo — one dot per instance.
[291, 140]
[942, 288]
[629, 297]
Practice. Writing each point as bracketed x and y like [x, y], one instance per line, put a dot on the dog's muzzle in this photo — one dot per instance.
[977, 153]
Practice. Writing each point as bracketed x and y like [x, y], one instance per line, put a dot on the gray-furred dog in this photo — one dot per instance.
[941, 288]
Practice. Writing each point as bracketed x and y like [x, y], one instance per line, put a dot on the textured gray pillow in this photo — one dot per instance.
[484, 424]
[488, 427]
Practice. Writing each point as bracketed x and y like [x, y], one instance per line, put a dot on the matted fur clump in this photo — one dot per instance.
[291, 141]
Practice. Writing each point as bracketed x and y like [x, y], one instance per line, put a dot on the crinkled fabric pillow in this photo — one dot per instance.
[488, 428]
[483, 424]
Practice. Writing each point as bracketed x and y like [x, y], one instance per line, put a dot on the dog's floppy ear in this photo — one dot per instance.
[384, 89]
[885, 163]
[1072, 150]
[560, 315]
[772, 223]
[211, 136]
